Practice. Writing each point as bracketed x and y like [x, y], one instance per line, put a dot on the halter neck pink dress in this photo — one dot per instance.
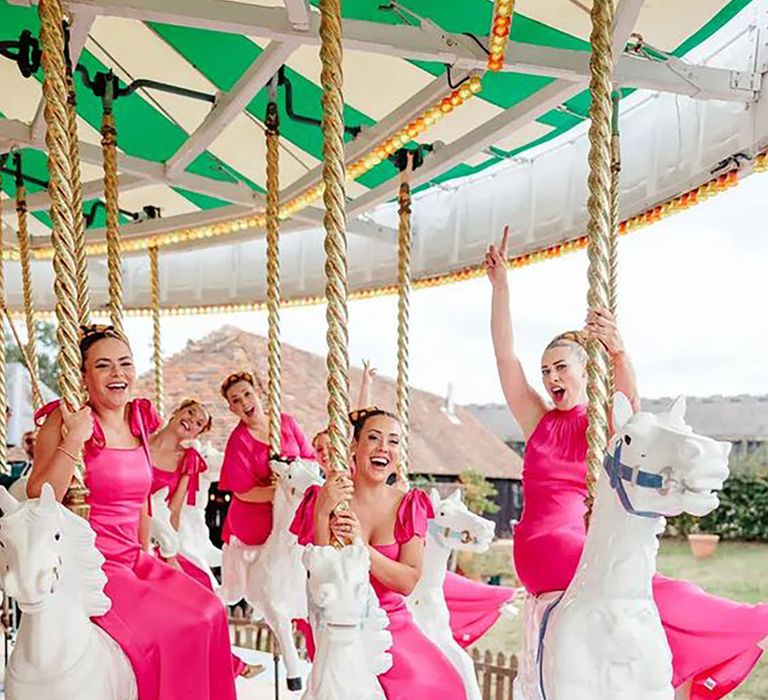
[713, 640]
[419, 668]
[246, 465]
[174, 631]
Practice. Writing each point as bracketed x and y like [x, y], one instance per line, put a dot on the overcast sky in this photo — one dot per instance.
[692, 307]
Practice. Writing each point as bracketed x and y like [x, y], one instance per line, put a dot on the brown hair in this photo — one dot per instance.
[235, 378]
[324, 431]
[360, 417]
[576, 340]
[187, 403]
[91, 334]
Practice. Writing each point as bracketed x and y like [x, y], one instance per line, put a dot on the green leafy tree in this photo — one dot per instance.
[47, 353]
[752, 463]
[478, 492]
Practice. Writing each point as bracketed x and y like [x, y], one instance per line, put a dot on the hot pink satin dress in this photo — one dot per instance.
[174, 631]
[474, 607]
[246, 465]
[419, 668]
[713, 640]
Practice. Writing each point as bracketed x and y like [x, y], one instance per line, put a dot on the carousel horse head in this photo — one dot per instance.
[44, 549]
[658, 466]
[213, 458]
[456, 527]
[295, 477]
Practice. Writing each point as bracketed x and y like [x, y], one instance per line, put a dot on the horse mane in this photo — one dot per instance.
[82, 565]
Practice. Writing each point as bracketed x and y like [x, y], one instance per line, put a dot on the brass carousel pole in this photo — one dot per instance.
[157, 349]
[57, 140]
[26, 282]
[600, 231]
[403, 311]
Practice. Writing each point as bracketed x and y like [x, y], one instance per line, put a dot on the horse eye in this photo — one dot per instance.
[308, 575]
[57, 536]
[442, 514]
[627, 439]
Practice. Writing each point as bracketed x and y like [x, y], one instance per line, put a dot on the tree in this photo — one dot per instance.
[751, 463]
[47, 353]
[478, 492]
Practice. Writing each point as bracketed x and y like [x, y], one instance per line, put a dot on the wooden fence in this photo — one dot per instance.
[495, 673]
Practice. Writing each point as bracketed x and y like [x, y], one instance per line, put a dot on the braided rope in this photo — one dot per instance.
[3, 360]
[599, 232]
[26, 286]
[335, 227]
[157, 348]
[111, 196]
[613, 240]
[81, 258]
[272, 124]
[62, 216]
[403, 310]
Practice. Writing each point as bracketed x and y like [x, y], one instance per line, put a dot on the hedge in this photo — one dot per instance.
[742, 514]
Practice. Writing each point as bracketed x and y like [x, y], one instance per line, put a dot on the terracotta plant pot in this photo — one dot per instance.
[703, 546]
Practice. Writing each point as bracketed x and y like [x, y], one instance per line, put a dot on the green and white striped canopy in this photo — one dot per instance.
[515, 152]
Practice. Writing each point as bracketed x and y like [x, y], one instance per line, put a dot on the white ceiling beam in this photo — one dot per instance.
[81, 22]
[228, 105]
[501, 125]
[426, 43]
[298, 14]
[40, 201]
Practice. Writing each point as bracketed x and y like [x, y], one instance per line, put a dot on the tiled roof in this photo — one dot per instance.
[723, 417]
[441, 444]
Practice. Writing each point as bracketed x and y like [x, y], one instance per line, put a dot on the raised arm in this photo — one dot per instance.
[364, 396]
[59, 444]
[524, 401]
[602, 325]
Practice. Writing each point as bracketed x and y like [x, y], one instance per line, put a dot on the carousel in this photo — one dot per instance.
[179, 157]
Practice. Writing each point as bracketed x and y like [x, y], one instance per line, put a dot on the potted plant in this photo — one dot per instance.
[702, 544]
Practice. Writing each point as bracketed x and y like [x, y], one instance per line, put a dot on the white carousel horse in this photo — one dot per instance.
[603, 638]
[161, 533]
[50, 565]
[275, 584]
[196, 542]
[454, 527]
[350, 628]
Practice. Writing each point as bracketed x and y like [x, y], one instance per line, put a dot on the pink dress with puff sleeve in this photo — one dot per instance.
[246, 465]
[419, 668]
[174, 632]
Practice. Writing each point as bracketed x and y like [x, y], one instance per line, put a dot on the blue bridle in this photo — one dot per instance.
[618, 473]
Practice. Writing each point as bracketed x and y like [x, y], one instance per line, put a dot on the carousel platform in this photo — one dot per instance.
[262, 687]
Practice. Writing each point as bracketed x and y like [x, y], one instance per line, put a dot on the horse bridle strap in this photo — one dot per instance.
[445, 535]
[618, 473]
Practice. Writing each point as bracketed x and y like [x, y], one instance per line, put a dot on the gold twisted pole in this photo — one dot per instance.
[26, 283]
[157, 348]
[3, 362]
[403, 308]
[81, 258]
[613, 239]
[274, 391]
[62, 216]
[599, 232]
[335, 231]
[112, 209]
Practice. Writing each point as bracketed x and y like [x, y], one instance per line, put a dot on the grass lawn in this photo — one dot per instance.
[737, 570]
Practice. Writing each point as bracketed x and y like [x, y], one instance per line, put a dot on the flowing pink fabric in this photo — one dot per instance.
[474, 607]
[245, 465]
[174, 631]
[419, 668]
[713, 640]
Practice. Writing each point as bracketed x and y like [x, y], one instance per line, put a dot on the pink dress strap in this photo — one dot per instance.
[413, 515]
[303, 525]
[192, 464]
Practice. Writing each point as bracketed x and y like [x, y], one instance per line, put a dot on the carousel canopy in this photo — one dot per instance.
[504, 145]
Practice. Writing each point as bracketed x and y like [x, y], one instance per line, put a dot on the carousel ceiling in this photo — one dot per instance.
[508, 145]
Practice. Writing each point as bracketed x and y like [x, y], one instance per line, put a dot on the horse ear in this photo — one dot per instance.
[8, 503]
[47, 497]
[306, 556]
[455, 496]
[677, 409]
[622, 411]
[434, 496]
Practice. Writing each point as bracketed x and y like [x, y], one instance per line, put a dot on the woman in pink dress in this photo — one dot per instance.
[173, 630]
[246, 474]
[393, 525]
[177, 465]
[715, 642]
